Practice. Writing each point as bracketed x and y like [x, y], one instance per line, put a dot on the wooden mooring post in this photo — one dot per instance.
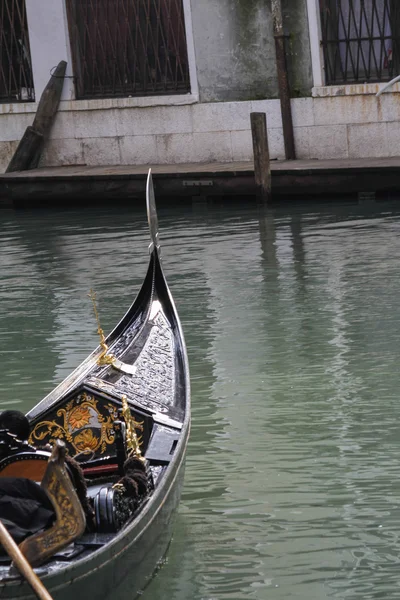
[262, 167]
[29, 150]
[283, 80]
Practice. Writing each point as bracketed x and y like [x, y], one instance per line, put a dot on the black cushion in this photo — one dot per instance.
[25, 507]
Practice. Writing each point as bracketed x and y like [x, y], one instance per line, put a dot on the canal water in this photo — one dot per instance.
[292, 322]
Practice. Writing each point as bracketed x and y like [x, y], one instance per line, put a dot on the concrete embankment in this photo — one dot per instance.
[290, 180]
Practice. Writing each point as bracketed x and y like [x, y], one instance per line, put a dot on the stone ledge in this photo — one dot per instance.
[104, 103]
[354, 89]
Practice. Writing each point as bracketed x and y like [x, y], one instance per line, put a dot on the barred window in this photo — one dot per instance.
[360, 40]
[16, 81]
[128, 47]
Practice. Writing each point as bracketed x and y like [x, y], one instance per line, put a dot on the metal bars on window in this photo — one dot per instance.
[360, 40]
[16, 81]
[128, 47]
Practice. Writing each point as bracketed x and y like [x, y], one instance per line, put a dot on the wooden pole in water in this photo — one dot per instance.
[262, 168]
[30, 148]
[22, 564]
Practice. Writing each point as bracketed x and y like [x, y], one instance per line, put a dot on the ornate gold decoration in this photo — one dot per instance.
[132, 439]
[70, 518]
[104, 358]
[85, 441]
[79, 417]
[85, 426]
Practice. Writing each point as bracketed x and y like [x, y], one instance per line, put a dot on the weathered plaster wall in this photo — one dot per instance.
[295, 19]
[233, 46]
[235, 49]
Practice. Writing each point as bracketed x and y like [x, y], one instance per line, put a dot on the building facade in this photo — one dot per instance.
[175, 81]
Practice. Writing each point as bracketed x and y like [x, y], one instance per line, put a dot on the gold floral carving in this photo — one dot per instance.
[85, 440]
[79, 417]
[82, 424]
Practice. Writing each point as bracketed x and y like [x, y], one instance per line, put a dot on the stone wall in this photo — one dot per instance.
[112, 132]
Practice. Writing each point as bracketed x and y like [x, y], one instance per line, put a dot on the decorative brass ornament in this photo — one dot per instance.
[81, 424]
[104, 358]
[132, 439]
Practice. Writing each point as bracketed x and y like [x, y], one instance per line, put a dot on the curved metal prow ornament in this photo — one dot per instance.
[152, 215]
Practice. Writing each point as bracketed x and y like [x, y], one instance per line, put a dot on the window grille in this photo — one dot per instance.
[360, 40]
[16, 81]
[128, 47]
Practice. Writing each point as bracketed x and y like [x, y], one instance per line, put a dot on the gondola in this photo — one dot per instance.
[104, 455]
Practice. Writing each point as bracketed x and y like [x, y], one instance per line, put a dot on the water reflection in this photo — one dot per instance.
[291, 320]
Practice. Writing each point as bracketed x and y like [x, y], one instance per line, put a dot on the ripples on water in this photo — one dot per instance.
[292, 325]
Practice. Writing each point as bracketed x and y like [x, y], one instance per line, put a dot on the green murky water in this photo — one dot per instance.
[292, 321]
